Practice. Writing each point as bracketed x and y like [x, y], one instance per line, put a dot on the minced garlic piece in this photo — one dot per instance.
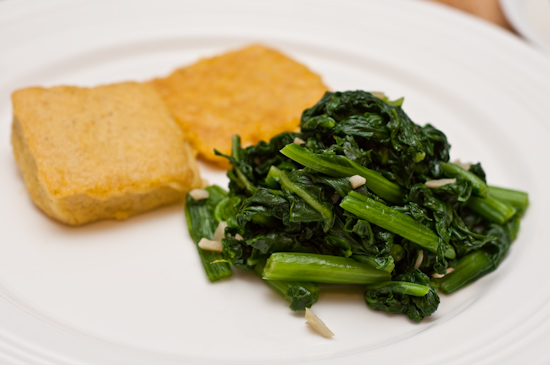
[357, 181]
[464, 165]
[317, 324]
[378, 94]
[419, 259]
[219, 234]
[299, 141]
[439, 276]
[199, 194]
[439, 183]
[210, 245]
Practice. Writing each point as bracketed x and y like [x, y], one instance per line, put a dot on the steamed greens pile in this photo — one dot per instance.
[412, 224]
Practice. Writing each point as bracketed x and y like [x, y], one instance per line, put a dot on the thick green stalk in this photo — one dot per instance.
[300, 294]
[394, 221]
[403, 287]
[517, 199]
[512, 227]
[468, 269]
[493, 209]
[202, 223]
[321, 269]
[372, 262]
[479, 187]
[304, 194]
[341, 166]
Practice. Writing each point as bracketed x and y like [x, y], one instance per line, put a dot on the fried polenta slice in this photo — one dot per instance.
[111, 151]
[255, 92]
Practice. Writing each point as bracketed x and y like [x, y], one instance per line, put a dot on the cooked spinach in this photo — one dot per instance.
[292, 212]
[202, 224]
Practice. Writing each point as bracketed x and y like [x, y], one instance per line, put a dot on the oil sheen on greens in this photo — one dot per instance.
[294, 218]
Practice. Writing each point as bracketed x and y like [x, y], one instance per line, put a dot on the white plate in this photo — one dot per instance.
[134, 293]
[531, 18]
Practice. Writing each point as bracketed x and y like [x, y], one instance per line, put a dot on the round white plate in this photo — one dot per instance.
[531, 18]
[134, 292]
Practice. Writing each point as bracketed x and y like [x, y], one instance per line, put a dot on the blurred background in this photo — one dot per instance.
[486, 9]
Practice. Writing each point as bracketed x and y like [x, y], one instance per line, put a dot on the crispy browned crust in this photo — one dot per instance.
[256, 92]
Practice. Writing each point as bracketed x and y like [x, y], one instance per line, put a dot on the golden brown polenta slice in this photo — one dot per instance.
[255, 92]
[94, 153]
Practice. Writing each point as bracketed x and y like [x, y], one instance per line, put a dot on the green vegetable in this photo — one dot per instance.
[478, 185]
[410, 294]
[469, 268]
[340, 166]
[300, 294]
[292, 208]
[517, 199]
[202, 224]
[401, 287]
[320, 268]
[323, 207]
[478, 263]
[394, 221]
[492, 208]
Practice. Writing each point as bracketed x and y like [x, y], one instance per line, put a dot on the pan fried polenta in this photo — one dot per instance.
[111, 151]
[255, 92]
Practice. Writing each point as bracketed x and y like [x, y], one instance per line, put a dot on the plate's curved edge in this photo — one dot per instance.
[516, 13]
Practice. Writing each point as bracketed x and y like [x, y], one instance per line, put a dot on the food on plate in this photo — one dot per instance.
[199, 214]
[255, 92]
[318, 325]
[363, 195]
[206, 220]
[110, 151]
